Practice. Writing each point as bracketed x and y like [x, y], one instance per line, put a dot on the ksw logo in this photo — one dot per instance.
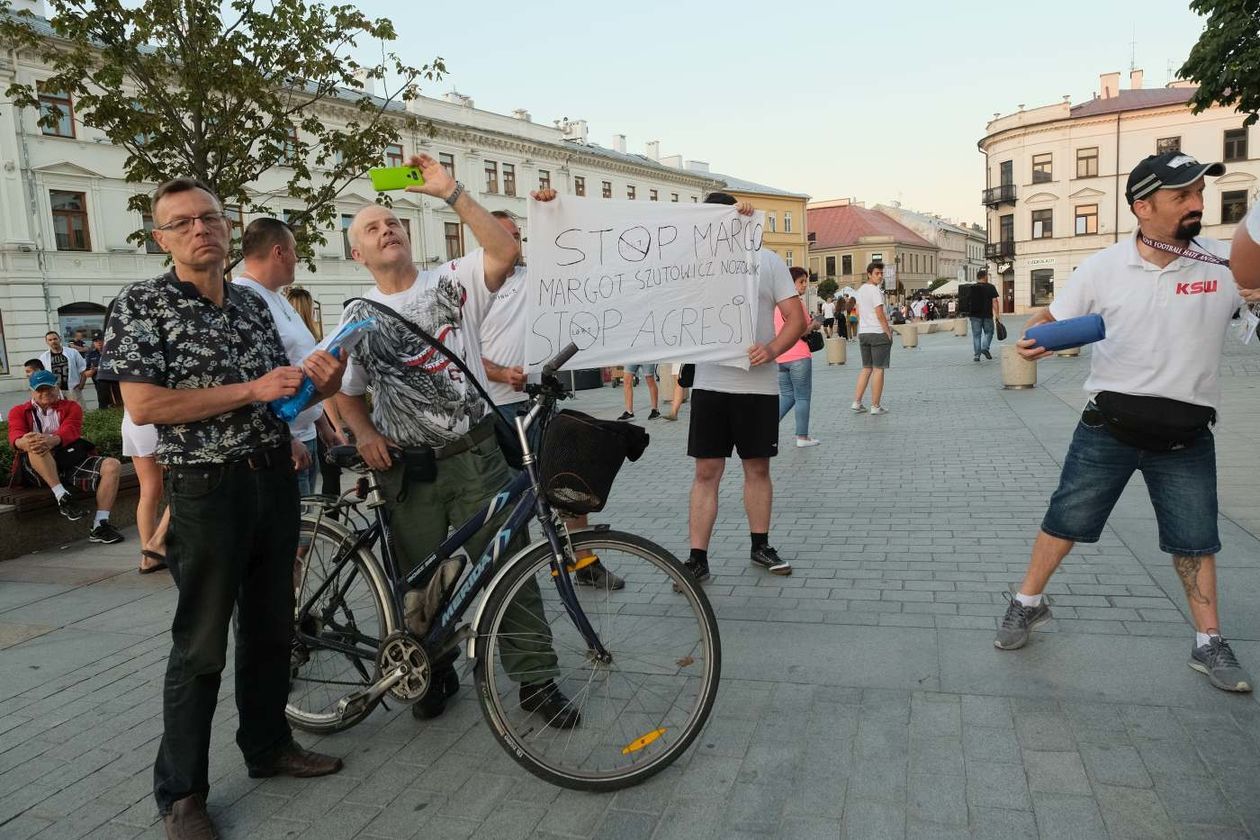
[1199, 287]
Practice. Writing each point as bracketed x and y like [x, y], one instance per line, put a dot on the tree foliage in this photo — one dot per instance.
[1225, 62]
[827, 288]
[226, 93]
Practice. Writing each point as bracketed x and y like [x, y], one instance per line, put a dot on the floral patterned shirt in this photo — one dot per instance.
[164, 332]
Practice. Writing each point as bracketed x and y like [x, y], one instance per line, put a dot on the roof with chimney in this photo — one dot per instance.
[1134, 100]
[740, 185]
[840, 227]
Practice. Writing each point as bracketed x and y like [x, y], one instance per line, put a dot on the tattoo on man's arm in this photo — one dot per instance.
[1188, 570]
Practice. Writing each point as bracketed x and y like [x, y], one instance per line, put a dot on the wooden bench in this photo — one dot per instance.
[27, 499]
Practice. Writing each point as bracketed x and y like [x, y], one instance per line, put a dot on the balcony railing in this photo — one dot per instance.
[996, 196]
[999, 251]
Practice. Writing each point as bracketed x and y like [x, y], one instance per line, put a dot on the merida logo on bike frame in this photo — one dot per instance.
[488, 558]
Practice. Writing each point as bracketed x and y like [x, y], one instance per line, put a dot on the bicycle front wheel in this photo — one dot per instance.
[639, 710]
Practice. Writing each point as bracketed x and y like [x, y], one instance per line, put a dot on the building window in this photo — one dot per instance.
[236, 225]
[1233, 206]
[673, 197]
[787, 221]
[846, 264]
[1042, 171]
[289, 151]
[772, 222]
[454, 240]
[60, 102]
[394, 154]
[1006, 228]
[1086, 219]
[1042, 286]
[1087, 162]
[787, 258]
[831, 266]
[1042, 224]
[448, 162]
[1006, 173]
[878, 257]
[630, 192]
[406, 223]
[346, 219]
[509, 179]
[695, 199]
[150, 246]
[579, 185]
[1167, 144]
[544, 179]
[70, 220]
[492, 178]
[1236, 144]
[653, 195]
[606, 188]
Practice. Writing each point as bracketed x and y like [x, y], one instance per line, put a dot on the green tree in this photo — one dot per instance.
[225, 93]
[827, 288]
[1225, 62]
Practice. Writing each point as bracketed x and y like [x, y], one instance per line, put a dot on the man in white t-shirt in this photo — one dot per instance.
[738, 410]
[270, 264]
[829, 317]
[874, 340]
[423, 405]
[503, 357]
[1167, 298]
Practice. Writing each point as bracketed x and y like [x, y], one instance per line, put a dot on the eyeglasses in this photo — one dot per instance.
[185, 224]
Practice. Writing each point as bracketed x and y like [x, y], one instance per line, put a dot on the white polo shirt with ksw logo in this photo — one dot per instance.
[1165, 326]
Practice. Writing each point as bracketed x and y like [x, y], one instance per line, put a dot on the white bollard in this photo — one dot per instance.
[1017, 372]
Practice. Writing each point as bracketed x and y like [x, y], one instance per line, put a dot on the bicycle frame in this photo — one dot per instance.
[524, 491]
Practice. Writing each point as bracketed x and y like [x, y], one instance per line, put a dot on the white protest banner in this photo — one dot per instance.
[638, 281]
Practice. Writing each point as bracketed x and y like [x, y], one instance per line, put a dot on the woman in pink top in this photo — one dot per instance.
[796, 368]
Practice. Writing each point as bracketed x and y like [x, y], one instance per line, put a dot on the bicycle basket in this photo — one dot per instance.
[581, 456]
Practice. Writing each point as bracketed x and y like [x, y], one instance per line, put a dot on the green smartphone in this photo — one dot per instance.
[395, 178]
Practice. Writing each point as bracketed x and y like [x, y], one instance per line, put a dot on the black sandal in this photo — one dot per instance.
[153, 555]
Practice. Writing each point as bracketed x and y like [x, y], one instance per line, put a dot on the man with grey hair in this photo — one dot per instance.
[423, 405]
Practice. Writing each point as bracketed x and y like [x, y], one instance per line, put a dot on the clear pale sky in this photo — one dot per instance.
[878, 101]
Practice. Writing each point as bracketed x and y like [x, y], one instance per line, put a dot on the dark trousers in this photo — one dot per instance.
[232, 543]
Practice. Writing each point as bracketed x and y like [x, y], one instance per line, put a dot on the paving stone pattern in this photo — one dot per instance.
[861, 697]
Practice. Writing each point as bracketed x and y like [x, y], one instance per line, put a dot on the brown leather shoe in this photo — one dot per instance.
[188, 820]
[292, 760]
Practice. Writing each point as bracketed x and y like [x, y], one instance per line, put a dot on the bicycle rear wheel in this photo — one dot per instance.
[640, 710]
[338, 627]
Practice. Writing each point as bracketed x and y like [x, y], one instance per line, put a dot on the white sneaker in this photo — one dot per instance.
[807, 442]
[878, 409]
[857, 408]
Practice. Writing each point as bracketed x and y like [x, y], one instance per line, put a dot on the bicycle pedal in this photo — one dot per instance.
[588, 560]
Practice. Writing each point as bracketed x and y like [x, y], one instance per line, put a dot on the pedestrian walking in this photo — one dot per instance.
[796, 367]
[201, 359]
[649, 375]
[1168, 297]
[986, 310]
[874, 340]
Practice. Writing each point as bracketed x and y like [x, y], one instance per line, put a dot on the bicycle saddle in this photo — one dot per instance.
[346, 456]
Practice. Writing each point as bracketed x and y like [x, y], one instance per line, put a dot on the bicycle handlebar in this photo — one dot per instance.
[559, 360]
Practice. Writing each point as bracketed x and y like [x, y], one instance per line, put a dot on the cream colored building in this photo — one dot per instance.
[846, 236]
[961, 247]
[64, 220]
[1055, 177]
[785, 232]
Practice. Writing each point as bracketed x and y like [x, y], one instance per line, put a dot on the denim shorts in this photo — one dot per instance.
[1181, 484]
[641, 368]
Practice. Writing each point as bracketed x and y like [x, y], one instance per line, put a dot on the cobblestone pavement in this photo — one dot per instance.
[861, 697]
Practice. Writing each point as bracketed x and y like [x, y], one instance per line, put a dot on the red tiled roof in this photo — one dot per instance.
[1134, 100]
[837, 227]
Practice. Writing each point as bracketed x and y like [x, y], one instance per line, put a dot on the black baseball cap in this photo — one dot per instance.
[1169, 171]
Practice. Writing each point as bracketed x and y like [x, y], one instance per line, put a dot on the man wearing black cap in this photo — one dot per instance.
[1167, 298]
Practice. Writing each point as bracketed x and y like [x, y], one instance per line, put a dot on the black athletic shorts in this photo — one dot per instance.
[720, 422]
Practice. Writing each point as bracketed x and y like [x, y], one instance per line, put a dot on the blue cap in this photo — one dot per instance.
[42, 378]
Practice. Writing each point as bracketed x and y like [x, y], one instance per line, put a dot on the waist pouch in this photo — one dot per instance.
[1156, 424]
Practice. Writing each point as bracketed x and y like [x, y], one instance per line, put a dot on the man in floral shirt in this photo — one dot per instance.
[201, 359]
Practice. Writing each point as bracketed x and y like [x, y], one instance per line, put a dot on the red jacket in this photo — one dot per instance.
[22, 421]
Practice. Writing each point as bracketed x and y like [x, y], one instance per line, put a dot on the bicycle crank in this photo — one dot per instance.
[353, 705]
[401, 649]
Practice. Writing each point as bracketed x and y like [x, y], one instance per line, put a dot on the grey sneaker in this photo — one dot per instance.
[857, 408]
[877, 410]
[1019, 622]
[1217, 660]
[597, 576]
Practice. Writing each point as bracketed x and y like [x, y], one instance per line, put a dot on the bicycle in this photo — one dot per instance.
[641, 664]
